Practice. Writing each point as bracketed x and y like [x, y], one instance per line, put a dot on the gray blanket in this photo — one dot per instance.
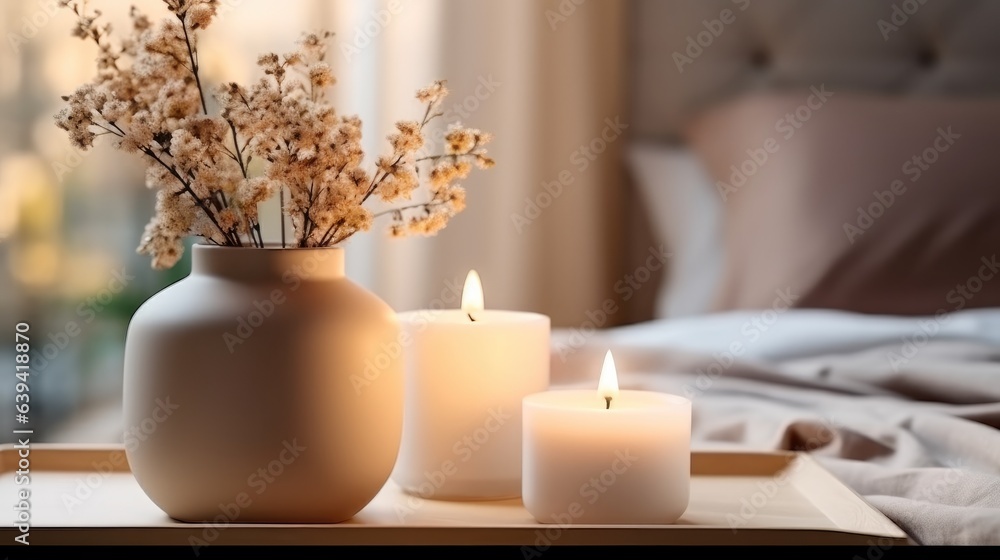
[916, 433]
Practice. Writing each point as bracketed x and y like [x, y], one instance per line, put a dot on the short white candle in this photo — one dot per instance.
[606, 456]
[467, 373]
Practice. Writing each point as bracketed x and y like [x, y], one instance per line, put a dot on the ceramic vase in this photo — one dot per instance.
[262, 388]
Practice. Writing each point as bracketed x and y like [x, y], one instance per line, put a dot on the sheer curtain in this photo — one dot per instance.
[543, 227]
[542, 75]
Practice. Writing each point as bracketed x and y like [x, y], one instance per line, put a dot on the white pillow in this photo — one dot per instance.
[686, 214]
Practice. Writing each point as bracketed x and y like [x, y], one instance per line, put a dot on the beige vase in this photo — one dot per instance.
[263, 388]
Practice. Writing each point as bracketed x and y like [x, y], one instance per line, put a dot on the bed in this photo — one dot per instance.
[823, 176]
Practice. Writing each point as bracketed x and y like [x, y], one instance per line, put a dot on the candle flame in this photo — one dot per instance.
[607, 386]
[472, 293]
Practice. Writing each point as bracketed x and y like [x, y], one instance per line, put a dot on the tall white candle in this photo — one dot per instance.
[606, 456]
[467, 373]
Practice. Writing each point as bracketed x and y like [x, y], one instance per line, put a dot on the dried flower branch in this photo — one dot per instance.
[148, 95]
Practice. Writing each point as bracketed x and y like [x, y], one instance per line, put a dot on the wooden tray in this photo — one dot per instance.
[86, 495]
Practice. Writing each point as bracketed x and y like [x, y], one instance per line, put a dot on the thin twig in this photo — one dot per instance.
[281, 212]
[428, 205]
[236, 144]
[260, 238]
[307, 223]
[187, 187]
[374, 185]
[194, 63]
[330, 232]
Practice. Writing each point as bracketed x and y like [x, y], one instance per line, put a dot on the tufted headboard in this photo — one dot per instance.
[691, 53]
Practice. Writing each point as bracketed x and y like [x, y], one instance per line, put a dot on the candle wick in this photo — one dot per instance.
[471, 318]
[608, 401]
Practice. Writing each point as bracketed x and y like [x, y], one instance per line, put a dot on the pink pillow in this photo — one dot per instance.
[873, 204]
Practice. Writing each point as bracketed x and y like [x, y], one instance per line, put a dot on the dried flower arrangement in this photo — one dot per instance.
[148, 95]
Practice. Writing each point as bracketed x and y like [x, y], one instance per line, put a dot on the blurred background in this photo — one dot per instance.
[618, 124]
[70, 221]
